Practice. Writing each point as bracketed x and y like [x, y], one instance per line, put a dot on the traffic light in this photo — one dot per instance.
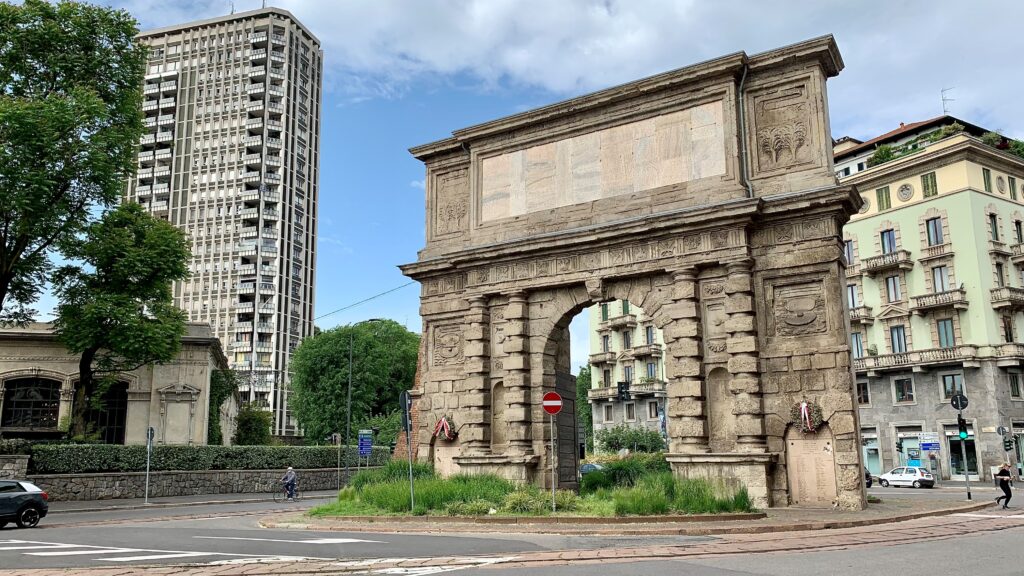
[1007, 444]
[961, 424]
[623, 391]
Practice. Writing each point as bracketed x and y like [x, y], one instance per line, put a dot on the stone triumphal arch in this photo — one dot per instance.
[706, 196]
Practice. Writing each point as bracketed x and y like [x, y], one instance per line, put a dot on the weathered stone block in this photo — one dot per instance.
[685, 389]
[685, 428]
[824, 361]
[516, 362]
[515, 344]
[740, 364]
[473, 399]
[770, 384]
[801, 362]
[680, 310]
[744, 385]
[683, 368]
[739, 344]
[480, 364]
[686, 407]
[838, 380]
[475, 332]
[476, 348]
[778, 364]
[517, 396]
[737, 324]
[813, 381]
[516, 310]
[841, 423]
[686, 347]
[738, 283]
[745, 404]
[739, 303]
[684, 289]
[843, 360]
[686, 328]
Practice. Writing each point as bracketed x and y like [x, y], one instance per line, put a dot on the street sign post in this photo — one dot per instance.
[150, 434]
[405, 401]
[959, 402]
[552, 405]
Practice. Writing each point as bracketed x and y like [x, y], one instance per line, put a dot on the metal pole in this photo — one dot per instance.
[963, 456]
[348, 403]
[337, 438]
[408, 441]
[149, 451]
[553, 483]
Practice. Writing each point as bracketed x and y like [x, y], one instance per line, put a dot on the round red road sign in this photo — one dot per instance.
[552, 403]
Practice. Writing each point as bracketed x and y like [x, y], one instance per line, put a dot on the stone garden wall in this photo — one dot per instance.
[13, 467]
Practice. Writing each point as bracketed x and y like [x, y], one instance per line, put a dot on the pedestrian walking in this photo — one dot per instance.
[1005, 480]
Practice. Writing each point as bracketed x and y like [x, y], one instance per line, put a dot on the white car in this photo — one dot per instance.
[907, 476]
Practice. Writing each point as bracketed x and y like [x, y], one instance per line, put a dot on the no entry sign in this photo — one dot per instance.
[552, 403]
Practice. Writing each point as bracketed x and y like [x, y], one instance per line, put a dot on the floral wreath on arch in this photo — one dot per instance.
[807, 416]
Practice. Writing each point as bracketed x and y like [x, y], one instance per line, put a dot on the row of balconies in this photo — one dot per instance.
[246, 366]
[901, 259]
[248, 346]
[250, 270]
[1009, 297]
[265, 327]
[639, 351]
[917, 360]
[645, 387]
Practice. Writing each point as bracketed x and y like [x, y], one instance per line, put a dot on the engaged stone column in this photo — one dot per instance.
[745, 384]
[687, 424]
[517, 379]
[474, 392]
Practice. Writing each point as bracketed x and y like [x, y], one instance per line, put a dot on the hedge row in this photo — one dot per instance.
[84, 458]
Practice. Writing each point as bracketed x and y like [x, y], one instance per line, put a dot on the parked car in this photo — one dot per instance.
[23, 503]
[908, 476]
[867, 478]
[588, 468]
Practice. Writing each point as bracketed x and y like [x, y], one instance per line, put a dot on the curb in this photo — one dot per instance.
[581, 525]
[118, 508]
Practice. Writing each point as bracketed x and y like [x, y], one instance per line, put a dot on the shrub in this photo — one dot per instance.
[653, 461]
[526, 500]
[699, 497]
[435, 493]
[640, 500]
[992, 138]
[15, 446]
[391, 496]
[634, 439]
[393, 471]
[882, 154]
[474, 508]
[347, 494]
[566, 501]
[252, 426]
[595, 481]
[625, 472]
[83, 458]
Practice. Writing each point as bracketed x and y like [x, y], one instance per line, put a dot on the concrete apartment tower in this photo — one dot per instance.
[231, 156]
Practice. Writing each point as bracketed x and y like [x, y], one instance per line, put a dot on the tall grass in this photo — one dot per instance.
[393, 471]
[661, 493]
[436, 493]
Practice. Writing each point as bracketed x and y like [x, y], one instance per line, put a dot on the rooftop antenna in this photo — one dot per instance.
[264, 3]
[232, 7]
[946, 100]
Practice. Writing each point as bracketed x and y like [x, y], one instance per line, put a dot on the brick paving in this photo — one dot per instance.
[897, 533]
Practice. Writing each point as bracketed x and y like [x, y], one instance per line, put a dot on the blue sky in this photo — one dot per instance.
[399, 74]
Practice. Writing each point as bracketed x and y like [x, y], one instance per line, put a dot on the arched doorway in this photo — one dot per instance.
[106, 417]
[31, 408]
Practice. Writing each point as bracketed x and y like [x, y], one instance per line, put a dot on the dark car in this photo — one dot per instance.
[867, 478]
[588, 468]
[23, 503]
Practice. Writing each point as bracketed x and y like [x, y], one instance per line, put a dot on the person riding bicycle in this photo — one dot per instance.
[289, 479]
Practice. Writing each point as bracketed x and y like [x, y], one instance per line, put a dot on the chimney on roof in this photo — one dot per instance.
[902, 125]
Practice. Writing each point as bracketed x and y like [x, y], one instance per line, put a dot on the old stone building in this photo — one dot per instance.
[38, 376]
[704, 195]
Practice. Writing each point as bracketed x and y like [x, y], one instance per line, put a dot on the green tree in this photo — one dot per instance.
[584, 412]
[384, 357]
[116, 309]
[882, 154]
[252, 426]
[70, 121]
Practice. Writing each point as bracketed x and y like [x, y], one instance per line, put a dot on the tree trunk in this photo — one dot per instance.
[84, 391]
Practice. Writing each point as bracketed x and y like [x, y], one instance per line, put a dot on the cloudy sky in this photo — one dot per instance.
[400, 74]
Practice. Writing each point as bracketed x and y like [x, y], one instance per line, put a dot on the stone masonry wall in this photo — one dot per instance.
[13, 467]
[178, 483]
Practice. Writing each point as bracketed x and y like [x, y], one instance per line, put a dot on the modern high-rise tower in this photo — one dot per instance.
[231, 156]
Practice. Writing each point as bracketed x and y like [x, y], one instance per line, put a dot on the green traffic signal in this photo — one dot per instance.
[962, 425]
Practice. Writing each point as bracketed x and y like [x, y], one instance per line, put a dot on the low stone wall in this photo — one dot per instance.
[178, 483]
[13, 467]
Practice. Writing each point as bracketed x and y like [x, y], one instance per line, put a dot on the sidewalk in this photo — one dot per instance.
[68, 506]
[775, 520]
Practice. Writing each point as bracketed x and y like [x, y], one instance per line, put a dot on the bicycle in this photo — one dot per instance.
[281, 493]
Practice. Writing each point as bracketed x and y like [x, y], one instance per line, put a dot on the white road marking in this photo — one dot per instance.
[264, 560]
[37, 546]
[969, 515]
[161, 556]
[77, 552]
[462, 564]
[316, 541]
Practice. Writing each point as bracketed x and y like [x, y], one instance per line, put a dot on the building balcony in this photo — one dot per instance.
[151, 89]
[146, 157]
[269, 233]
[268, 308]
[271, 215]
[253, 159]
[264, 367]
[158, 207]
[648, 386]
[254, 125]
[164, 136]
[937, 251]
[278, 56]
[277, 39]
[861, 315]
[242, 326]
[247, 270]
[257, 71]
[1017, 253]
[165, 119]
[621, 321]
[603, 392]
[161, 188]
[272, 177]
[241, 346]
[275, 125]
[243, 306]
[265, 328]
[273, 160]
[169, 87]
[918, 360]
[956, 299]
[1008, 297]
[147, 139]
[268, 270]
[250, 177]
[241, 366]
[271, 197]
[275, 91]
[167, 103]
[898, 260]
[264, 347]
[999, 248]
[254, 89]
[248, 232]
[258, 37]
[275, 107]
[249, 212]
[603, 358]
[161, 172]
[144, 190]
[247, 288]
[163, 153]
[256, 106]
[149, 122]
[645, 350]
[258, 55]
[150, 105]
[253, 141]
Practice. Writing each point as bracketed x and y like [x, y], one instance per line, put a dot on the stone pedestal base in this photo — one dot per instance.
[735, 470]
[515, 468]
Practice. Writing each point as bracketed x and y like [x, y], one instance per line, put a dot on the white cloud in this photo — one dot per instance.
[421, 184]
[899, 54]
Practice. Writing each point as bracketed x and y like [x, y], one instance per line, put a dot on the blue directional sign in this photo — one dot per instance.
[365, 443]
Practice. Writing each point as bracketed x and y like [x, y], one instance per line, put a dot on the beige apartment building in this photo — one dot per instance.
[231, 156]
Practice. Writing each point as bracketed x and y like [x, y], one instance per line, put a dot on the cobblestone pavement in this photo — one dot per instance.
[909, 531]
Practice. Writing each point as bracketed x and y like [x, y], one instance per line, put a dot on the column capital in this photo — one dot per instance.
[688, 273]
[738, 265]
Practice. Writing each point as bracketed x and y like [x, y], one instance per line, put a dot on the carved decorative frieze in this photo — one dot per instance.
[714, 318]
[781, 118]
[451, 203]
[448, 345]
[799, 309]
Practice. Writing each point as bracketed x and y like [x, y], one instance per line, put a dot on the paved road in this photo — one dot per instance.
[952, 494]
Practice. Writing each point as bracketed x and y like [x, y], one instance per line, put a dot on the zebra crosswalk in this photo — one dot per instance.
[117, 554]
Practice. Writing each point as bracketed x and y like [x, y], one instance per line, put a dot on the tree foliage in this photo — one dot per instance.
[584, 411]
[116, 309]
[882, 154]
[384, 357]
[252, 426]
[633, 439]
[223, 383]
[70, 121]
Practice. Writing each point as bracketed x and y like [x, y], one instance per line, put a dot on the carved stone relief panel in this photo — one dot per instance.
[798, 309]
[712, 293]
[783, 130]
[451, 203]
[447, 349]
[498, 336]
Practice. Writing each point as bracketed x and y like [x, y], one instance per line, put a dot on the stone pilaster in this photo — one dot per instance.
[475, 396]
[687, 427]
[742, 348]
[517, 378]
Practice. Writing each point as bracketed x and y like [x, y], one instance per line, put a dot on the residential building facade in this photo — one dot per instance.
[231, 156]
[627, 371]
[935, 293]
